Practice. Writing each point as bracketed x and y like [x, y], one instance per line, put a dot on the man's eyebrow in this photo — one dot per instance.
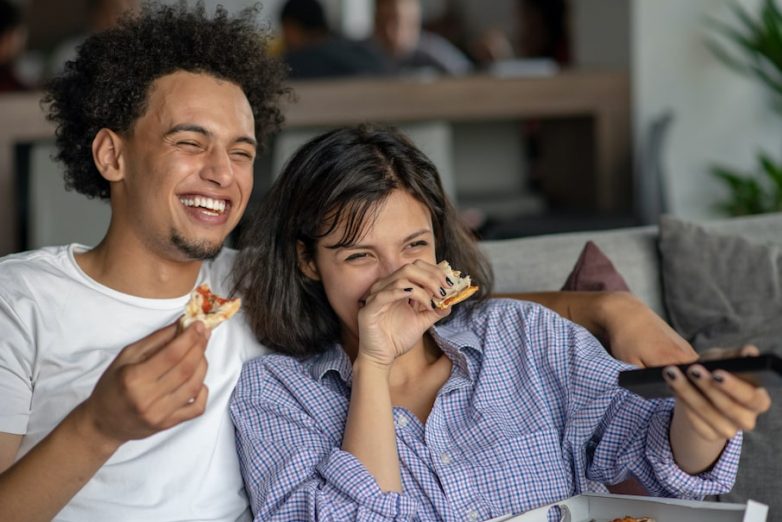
[191, 127]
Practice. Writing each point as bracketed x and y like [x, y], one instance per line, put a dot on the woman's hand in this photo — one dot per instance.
[398, 311]
[710, 409]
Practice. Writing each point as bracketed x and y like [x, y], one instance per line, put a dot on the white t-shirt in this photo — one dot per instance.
[59, 330]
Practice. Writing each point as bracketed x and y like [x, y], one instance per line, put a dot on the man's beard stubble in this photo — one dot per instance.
[200, 250]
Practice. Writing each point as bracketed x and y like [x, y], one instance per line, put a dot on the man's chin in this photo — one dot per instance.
[196, 250]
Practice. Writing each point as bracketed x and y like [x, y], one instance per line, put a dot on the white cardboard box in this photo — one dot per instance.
[602, 508]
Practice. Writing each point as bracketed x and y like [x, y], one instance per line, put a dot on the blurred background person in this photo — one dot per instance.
[101, 15]
[544, 30]
[311, 50]
[399, 35]
[13, 36]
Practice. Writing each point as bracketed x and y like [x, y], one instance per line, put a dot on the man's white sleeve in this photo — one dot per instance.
[17, 352]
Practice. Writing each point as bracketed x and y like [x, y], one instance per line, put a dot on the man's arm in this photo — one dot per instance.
[630, 330]
[149, 387]
[9, 446]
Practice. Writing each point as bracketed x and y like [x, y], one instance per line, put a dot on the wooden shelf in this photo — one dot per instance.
[575, 107]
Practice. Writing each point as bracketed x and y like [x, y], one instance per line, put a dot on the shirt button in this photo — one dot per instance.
[471, 515]
[401, 421]
[445, 458]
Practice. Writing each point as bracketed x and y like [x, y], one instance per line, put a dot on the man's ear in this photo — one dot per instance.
[106, 151]
[306, 264]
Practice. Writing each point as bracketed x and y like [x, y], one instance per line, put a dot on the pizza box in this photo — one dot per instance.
[600, 507]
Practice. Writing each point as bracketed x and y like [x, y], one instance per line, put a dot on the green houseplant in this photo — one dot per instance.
[752, 45]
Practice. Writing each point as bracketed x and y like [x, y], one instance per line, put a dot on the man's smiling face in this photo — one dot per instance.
[187, 166]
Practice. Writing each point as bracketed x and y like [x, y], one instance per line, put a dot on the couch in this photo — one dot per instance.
[717, 283]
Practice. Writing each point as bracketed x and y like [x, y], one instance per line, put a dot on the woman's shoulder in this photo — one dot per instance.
[264, 374]
[504, 311]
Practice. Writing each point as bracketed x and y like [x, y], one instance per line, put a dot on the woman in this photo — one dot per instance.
[375, 412]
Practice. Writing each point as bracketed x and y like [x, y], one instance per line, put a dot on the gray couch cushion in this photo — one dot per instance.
[725, 290]
[543, 263]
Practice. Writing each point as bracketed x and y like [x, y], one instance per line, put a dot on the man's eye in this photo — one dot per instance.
[243, 154]
[189, 144]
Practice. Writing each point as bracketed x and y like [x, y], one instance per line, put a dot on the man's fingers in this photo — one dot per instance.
[189, 410]
[146, 347]
[170, 355]
[183, 371]
[717, 353]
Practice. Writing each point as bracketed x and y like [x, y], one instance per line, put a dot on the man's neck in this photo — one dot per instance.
[132, 269]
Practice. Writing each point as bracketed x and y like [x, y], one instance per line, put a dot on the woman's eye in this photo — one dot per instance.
[358, 255]
[419, 243]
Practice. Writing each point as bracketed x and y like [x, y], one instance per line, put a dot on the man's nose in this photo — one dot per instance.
[218, 168]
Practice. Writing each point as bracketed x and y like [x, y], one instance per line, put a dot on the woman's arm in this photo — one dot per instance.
[630, 330]
[289, 428]
[369, 429]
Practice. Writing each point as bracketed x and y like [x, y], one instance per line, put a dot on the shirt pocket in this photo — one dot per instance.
[522, 472]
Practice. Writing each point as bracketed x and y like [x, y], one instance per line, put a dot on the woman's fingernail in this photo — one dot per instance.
[695, 374]
[448, 280]
[408, 289]
[718, 377]
[670, 374]
[442, 291]
[433, 305]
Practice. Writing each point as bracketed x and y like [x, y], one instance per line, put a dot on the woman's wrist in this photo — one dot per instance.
[693, 453]
[369, 365]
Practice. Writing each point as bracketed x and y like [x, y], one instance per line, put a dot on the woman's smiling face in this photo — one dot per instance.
[397, 232]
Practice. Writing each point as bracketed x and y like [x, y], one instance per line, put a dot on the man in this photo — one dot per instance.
[107, 411]
[398, 35]
[162, 115]
[311, 51]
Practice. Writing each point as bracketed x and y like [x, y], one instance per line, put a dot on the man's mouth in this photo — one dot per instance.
[210, 206]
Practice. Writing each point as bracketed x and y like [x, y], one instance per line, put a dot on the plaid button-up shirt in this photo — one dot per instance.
[531, 414]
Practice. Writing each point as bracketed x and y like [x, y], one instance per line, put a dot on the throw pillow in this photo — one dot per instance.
[726, 291]
[594, 272]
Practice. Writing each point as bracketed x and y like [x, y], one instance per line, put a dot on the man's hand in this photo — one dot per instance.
[635, 334]
[152, 385]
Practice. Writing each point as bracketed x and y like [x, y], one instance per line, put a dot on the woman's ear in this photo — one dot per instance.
[106, 150]
[306, 264]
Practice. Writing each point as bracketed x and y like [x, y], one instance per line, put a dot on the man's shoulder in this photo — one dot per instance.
[32, 266]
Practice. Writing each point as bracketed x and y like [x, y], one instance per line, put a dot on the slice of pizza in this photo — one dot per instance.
[461, 289]
[209, 308]
[633, 519]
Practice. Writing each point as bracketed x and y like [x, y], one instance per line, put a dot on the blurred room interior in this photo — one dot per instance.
[548, 116]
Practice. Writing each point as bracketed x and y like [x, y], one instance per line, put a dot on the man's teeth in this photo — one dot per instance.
[217, 205]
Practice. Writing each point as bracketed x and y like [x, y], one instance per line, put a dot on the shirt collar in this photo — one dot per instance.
[460, 344]
[332, 360]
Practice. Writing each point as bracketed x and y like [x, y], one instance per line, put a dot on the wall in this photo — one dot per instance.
[719, 116]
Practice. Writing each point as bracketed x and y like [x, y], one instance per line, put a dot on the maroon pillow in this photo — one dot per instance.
[594, 272]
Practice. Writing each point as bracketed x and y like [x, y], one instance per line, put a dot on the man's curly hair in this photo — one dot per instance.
[107, 85]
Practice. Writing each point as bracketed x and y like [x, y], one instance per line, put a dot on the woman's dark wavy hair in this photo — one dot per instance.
[338, 177]
[107, 85]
